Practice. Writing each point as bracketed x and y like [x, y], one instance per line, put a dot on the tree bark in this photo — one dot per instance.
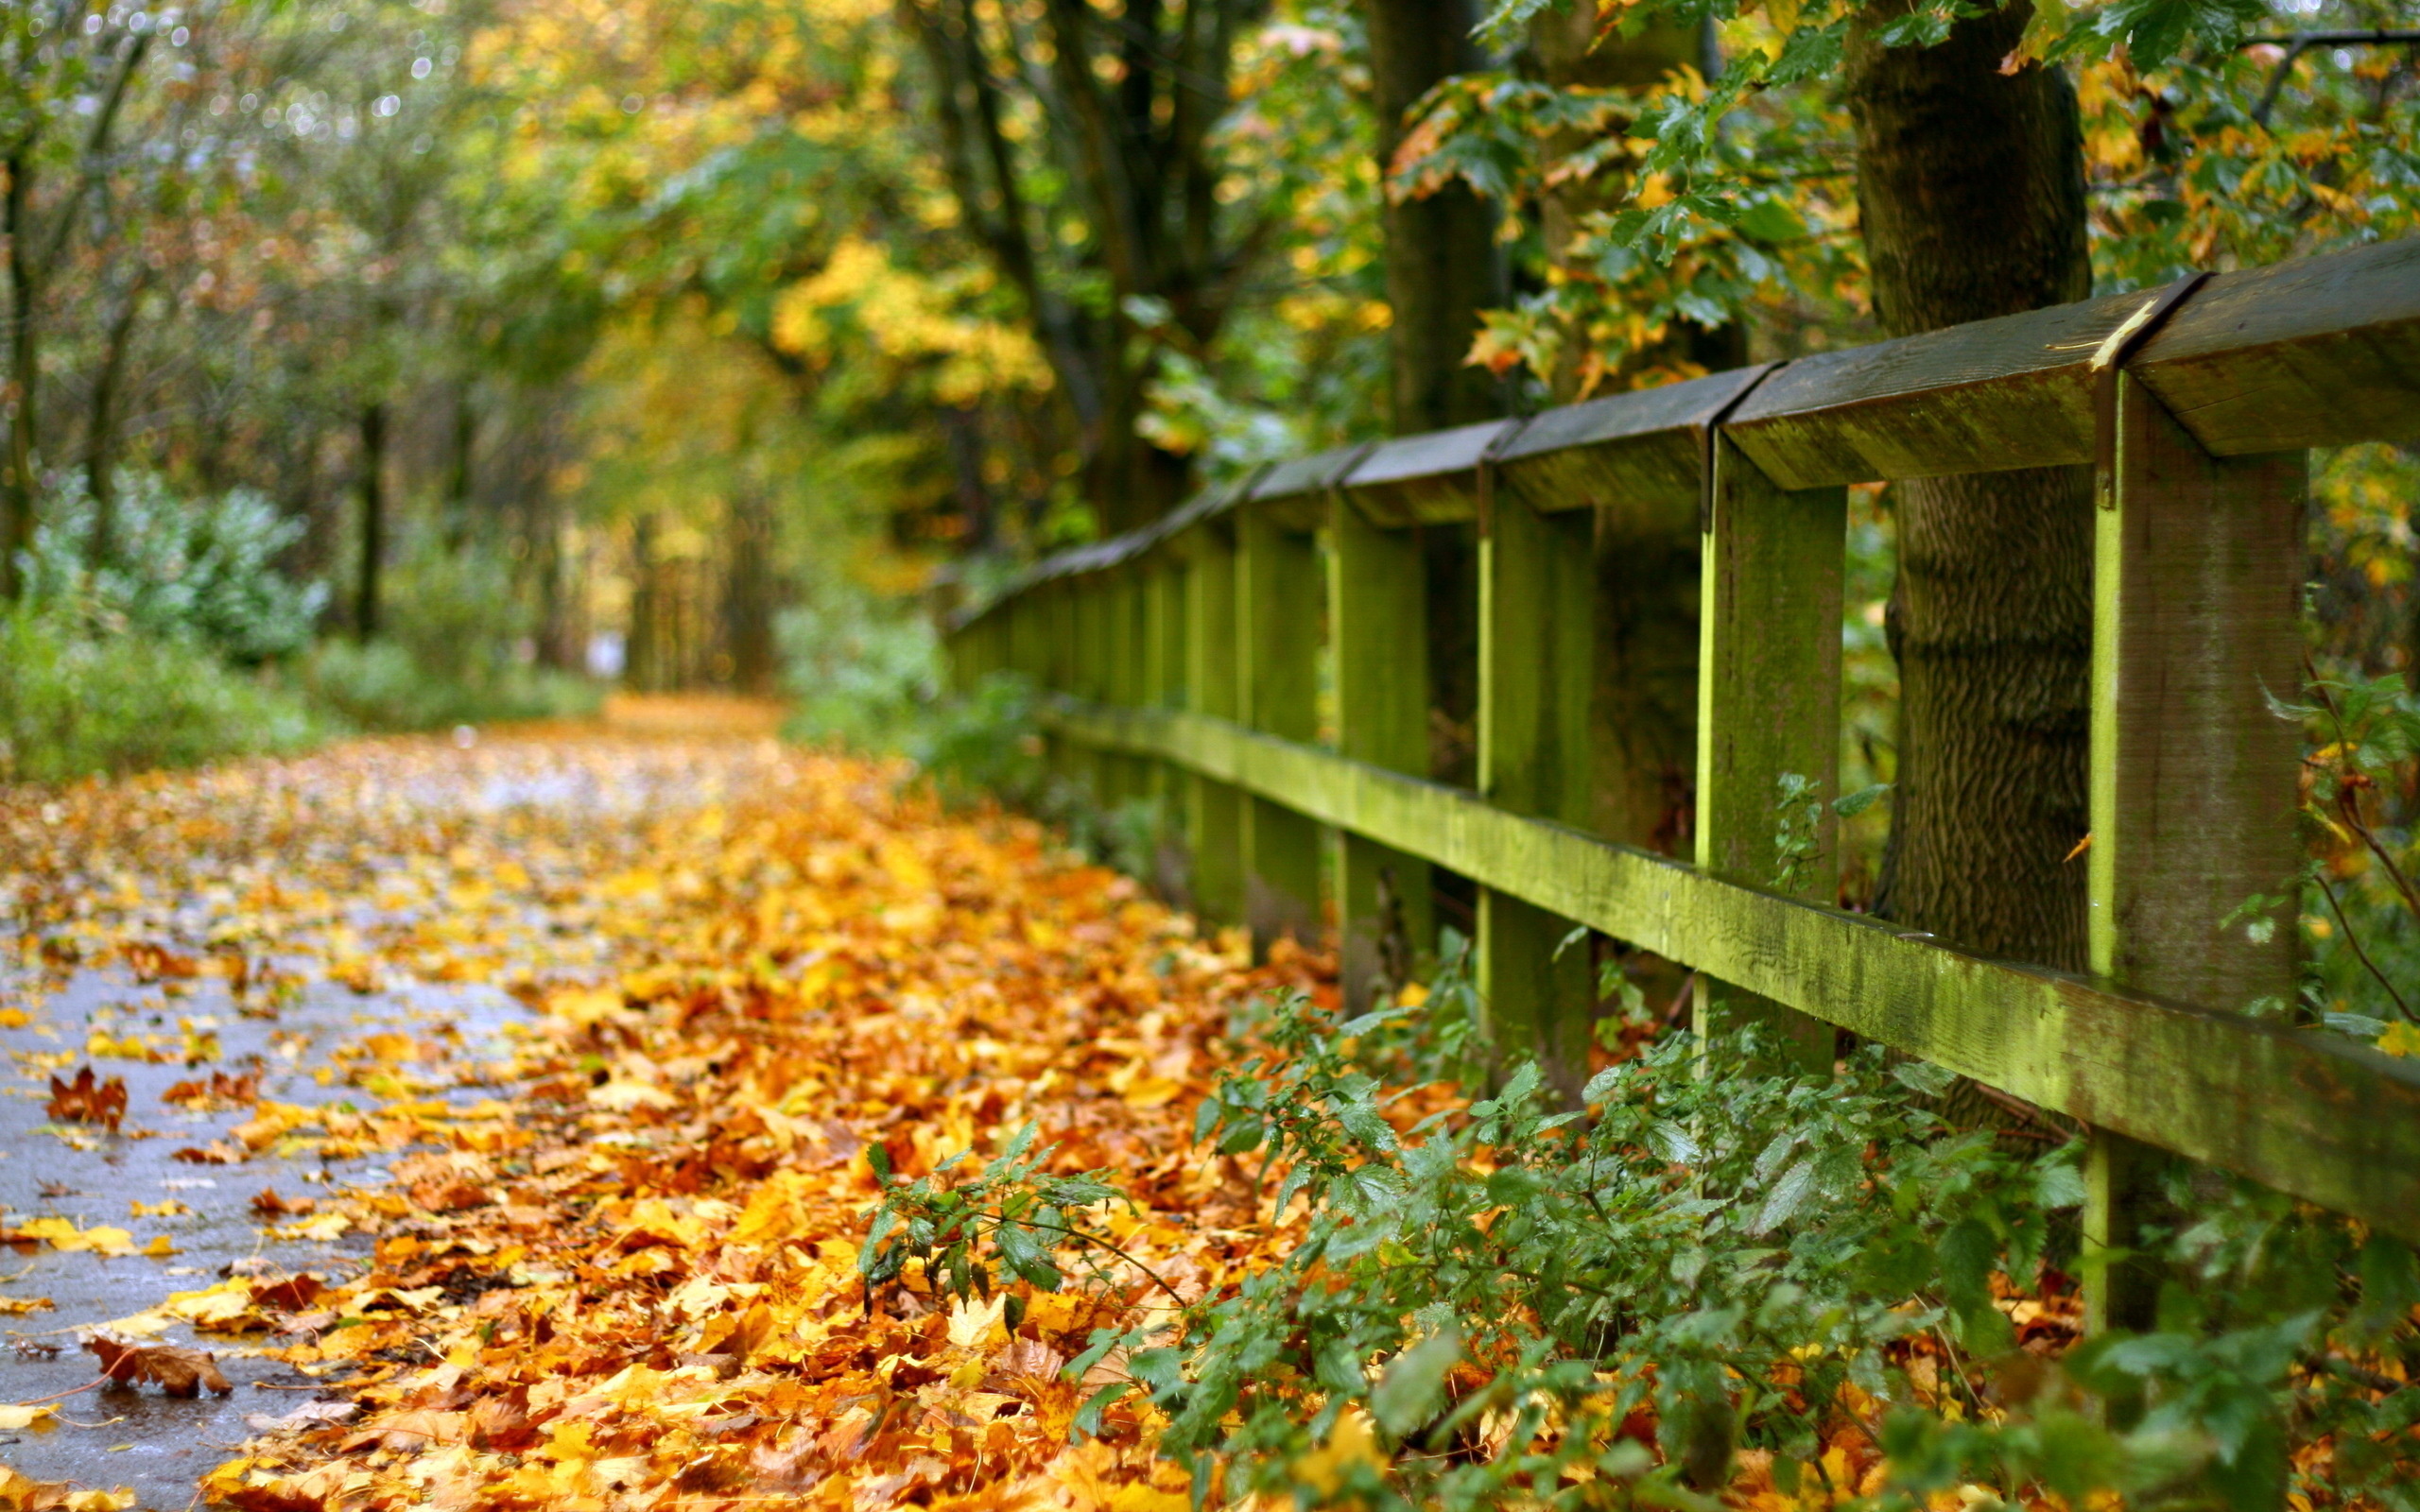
[1443, 267]
[100, 443]
[1970, 187]
[374, 520]
[17, 490]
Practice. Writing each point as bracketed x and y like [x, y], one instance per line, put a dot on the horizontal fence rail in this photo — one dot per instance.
[1183, 663]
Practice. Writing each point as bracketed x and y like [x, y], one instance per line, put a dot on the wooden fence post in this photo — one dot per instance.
[1214, 809]
[1164, 674]
[2197, 577]
[1277, 621]
[1768, 703]
[1378, 615]
[1536, 669]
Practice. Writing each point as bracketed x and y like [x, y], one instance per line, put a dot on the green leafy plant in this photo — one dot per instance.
[1515, 1304]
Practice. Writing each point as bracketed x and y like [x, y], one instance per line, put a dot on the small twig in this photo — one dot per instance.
[1681, 999]
[2354, 939]
[1095, 1239]
[2026, 1111]
[58, 1396]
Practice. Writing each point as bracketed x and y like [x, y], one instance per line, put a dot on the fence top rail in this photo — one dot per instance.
[2318, 352]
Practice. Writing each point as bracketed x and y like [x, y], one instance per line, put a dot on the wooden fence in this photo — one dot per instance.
[1184, 659]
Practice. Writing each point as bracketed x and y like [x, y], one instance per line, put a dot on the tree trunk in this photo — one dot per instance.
[100, 445]
[641, 660]
[1442, 262]
[374, 520]
[461, 469]
[1970, 186]
[17, 489]
[749, 595]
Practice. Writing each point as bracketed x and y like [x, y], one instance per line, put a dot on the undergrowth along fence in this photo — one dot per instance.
[1184, 662]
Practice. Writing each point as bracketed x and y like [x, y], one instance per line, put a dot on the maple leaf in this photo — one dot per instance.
[88, 1101]
[175, 1371]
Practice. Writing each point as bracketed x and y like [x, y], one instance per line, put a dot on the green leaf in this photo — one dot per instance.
[1408, 1394]
[1788, 1197]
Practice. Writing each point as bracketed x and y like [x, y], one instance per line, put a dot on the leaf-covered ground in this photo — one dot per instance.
[607, 1259]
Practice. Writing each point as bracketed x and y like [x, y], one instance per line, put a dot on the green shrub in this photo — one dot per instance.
[865, 673]
[73, 704]
[447, 653]
[203, 570]
[385, 685]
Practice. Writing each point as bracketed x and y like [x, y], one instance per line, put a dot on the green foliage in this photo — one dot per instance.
[73, 704]
[1005, 1222]
[863, 673]
[1501, 1297]
[449, 656]
[201, 569]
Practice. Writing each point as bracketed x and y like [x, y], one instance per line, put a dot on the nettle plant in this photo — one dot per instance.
[1515, 1302]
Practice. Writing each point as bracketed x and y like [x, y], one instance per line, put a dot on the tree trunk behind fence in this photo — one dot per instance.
[1970, 186]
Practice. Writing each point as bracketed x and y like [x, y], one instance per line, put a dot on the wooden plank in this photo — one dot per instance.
[2317, 351]
[1214, 809]
[1639, 457]
[1294, 493]
[2197, 577]
[2006, 393]
[1768, 703]
[1535, 673]
[1426, 479]
[1277, 630]
[2313, 1115]
[1378, 622]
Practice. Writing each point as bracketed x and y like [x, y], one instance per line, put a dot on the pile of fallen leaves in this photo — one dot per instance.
[635, 1275]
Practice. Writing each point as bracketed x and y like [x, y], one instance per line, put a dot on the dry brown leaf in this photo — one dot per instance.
[175, 1371]
[88, 1101]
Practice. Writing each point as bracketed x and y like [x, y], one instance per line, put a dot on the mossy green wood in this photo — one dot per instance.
[1378, 622]
[1163, 688]
[1277, 624]
[1768, 703]
[1214, 809]
[1535, 673]
[2312, 1114]
[2197, 576]
[1124, 650]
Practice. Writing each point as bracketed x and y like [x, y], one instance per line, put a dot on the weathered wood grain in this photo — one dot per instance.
[1640, 457]
[1277, 631]
[1426, 479]
[2197, 573]
[2310, 1114]
[1536, 667]
[1214, 810]
[1377, 604]
[2318, 352]
[1768, 703]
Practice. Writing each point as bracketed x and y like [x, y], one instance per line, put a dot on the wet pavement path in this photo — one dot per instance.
[380, 903]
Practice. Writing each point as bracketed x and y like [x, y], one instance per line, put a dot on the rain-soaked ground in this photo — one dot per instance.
[298, 1029]
[123, 1435]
